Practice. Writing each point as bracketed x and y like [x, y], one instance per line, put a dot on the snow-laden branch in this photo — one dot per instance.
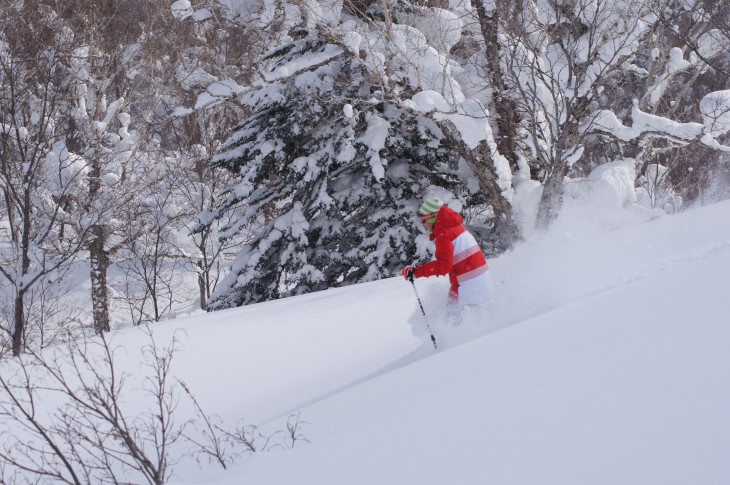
[648, 125]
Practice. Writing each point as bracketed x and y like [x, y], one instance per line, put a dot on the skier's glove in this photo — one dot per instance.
[407, 273]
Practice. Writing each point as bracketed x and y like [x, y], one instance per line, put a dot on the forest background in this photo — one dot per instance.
[209, 154]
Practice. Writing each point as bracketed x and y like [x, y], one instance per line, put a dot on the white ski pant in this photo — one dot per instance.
[476, 291]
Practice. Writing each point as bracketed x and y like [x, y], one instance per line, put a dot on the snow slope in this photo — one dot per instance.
[610, 367]
[604, 360]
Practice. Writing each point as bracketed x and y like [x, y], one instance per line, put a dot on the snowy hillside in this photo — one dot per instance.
[613, 369]
[604, 360]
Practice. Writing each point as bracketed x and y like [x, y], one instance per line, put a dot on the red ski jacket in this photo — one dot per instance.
[457, 252]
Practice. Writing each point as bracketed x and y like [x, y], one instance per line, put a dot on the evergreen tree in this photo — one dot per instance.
[331, 169]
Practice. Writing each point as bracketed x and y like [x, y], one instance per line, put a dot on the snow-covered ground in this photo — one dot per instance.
[604, 359]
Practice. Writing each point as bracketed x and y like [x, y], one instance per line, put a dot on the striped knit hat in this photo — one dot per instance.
[430, 207]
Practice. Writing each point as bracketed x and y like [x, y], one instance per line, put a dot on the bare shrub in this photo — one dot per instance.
[68, 415]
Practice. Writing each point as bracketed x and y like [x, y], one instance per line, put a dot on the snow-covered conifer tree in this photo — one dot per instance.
[331, 166]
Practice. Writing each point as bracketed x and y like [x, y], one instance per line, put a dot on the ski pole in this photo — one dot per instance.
[425, 318]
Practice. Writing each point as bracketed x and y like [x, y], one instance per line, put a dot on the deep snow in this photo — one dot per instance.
[604, 360]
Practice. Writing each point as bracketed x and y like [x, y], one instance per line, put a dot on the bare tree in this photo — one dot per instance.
[104, 92]
[153, 263]
[559, 54]
[214, 63]
[40, 178]
[198, 185]
[53, 311]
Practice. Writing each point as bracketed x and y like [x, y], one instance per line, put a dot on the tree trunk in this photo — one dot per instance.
[505, 110]
[203, 272]
[552, 196]
[10, 211]
[19, 320]
[481, 161]
[569, 140]
[99, 263]
[19, 310]
[98, 272]
[203, 286]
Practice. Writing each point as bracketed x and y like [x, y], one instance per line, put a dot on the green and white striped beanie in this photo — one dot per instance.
[430, 206]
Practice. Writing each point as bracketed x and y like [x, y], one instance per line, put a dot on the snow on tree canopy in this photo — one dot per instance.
[331, 175]
[715, 108]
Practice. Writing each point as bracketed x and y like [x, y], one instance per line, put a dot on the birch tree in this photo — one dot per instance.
[558, 56]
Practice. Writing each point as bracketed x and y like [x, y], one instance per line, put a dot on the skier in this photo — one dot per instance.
[457, 254]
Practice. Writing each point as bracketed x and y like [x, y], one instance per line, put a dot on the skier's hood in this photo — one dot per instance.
[446, 219]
